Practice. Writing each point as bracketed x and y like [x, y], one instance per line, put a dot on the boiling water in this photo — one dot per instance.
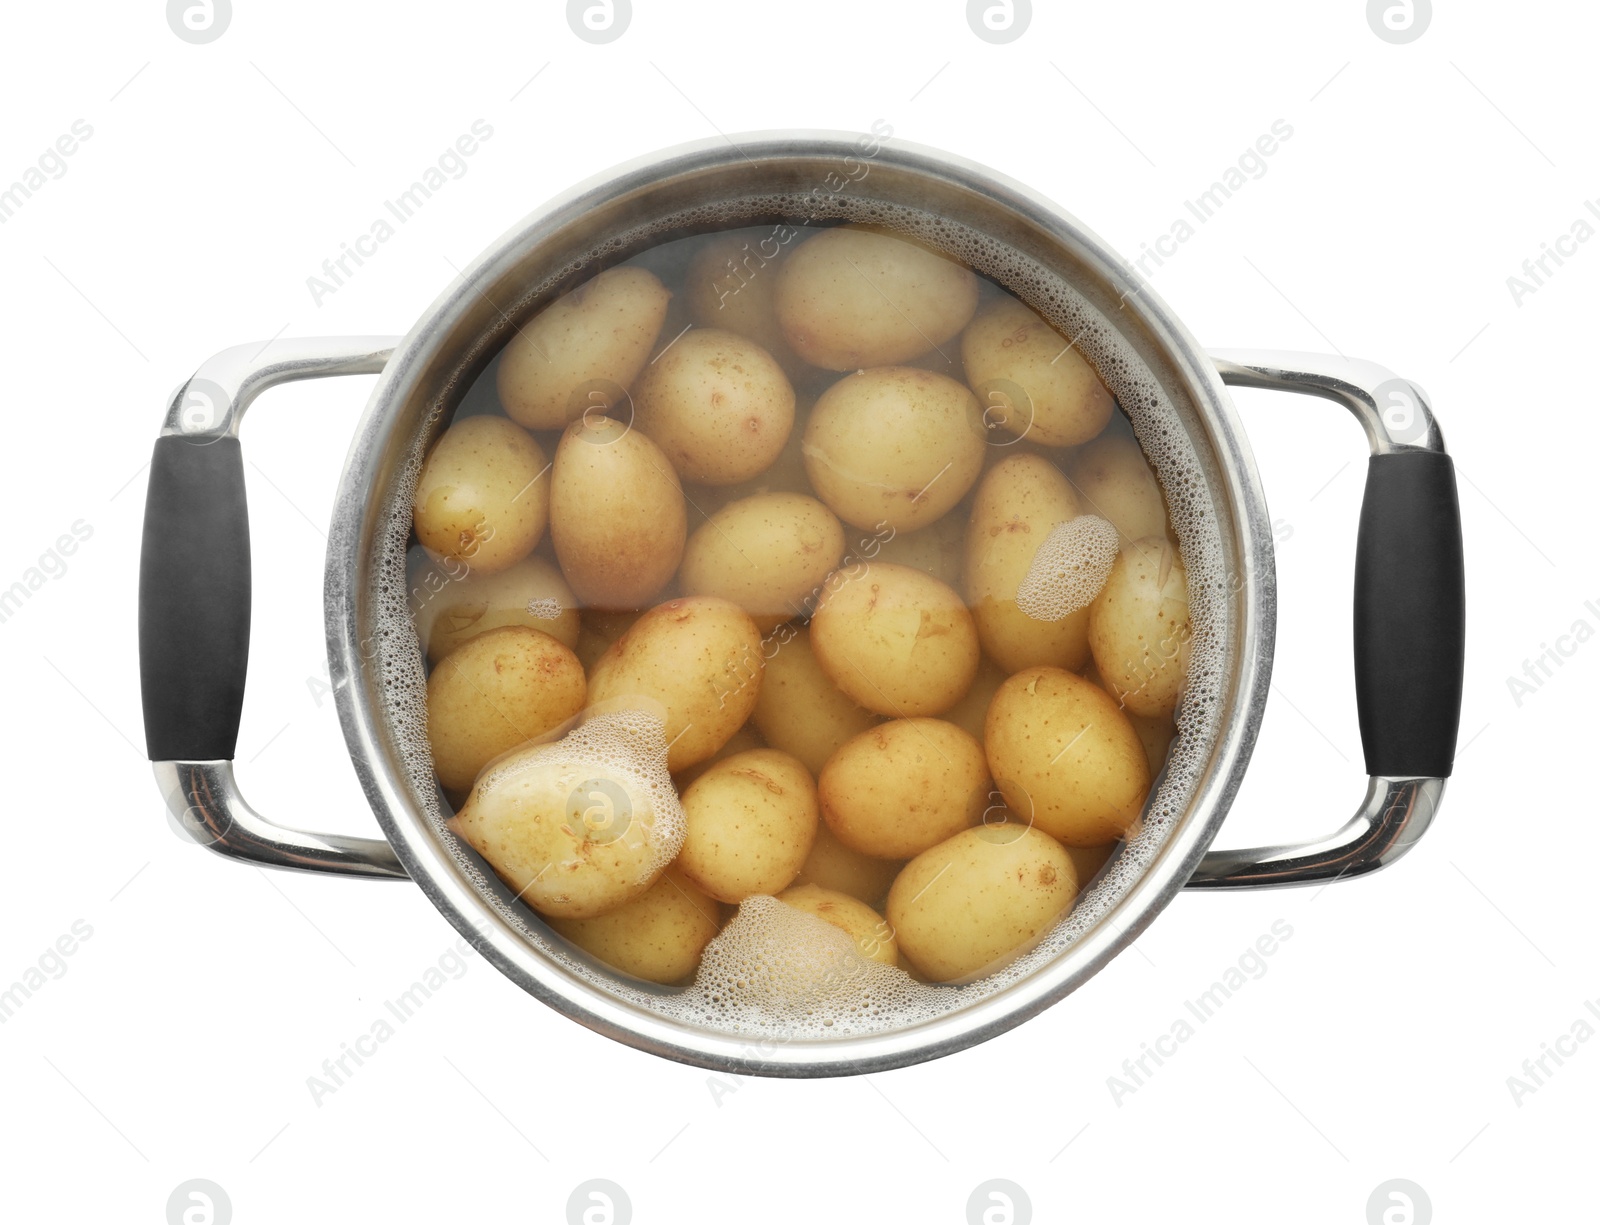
[775, 973]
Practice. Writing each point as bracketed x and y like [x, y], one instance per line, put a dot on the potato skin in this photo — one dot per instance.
[617, 516]
[853, 297]
[937, 549]
[1018, 502]
[527, 817]
[976, 900]
[834, 866]
[530, 593]
[800, 710]
[904, 786]
[897, 641]
[894, 446]
[494, 692]
[483, 495]
[1114, 480]
[718, 405]
[1065, 756]
[699, 658]
[575, 355]
[752, 819]
[874, 938]
[1139, 629]
[658, 936]
[1006, 347]
[768, 553]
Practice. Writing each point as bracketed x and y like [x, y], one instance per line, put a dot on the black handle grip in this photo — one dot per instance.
[1410, 615]
[194, 599]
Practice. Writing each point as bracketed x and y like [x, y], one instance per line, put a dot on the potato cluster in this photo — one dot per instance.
[777, 492]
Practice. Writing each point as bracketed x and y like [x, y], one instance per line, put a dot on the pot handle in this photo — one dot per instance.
[1410, 623]
[194, 606]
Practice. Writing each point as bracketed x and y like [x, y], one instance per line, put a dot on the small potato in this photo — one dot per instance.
[1064, 756]
[872, 934]
[751, 820]
[1139, 628]
[894, 446]
[936, 549]
[616, 514]
[769, 554]
[583, 351]
[969, 713]
[717, 405]
[979, 899]
[1031, 381]
[1114, 480]
[732, 283]
[494, 692]
[699, 659]
[903, 786]
[658, 936]
[575, 835]
[834, 866]
[450, 611]
[483, 496]
[896, 640]
[800, 710]
[1019, 501]
[854, 297]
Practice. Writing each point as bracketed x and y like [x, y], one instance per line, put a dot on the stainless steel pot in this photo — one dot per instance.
[195, 600]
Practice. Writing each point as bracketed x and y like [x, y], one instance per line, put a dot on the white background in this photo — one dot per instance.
[1379, 1041]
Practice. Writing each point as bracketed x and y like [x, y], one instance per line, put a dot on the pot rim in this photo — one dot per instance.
[352, 543]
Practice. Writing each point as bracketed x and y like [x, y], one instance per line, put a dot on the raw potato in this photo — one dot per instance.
[732, 283]
[1139, 628]
[896, 640]
[719, 406]
[533, 818]
[489, 695]
[1064, 756]
[834, 866]
[894, 447]
[1031, 382]
[1156, 732]
[1018, 502]
[530, 593]
[658, 936]
[800, 710]
[854, 297]
[579, 353]
[616, 514]
[979, 898]
[751, 820]
[699, 659]
[904, 786]
[483, 496]
[873, 936]
[1113, 480]
[769, 554]
[786, 475]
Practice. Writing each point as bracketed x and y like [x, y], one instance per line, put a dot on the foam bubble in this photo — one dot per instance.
[1069, 569]
[546, 608]
[749, 986]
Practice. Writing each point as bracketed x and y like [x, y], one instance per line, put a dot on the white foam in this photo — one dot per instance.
[751, 982]
[1069, 569]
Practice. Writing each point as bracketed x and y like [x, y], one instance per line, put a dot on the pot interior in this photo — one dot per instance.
[1002, 232]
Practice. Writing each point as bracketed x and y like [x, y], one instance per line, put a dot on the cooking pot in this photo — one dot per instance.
[194, 599]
